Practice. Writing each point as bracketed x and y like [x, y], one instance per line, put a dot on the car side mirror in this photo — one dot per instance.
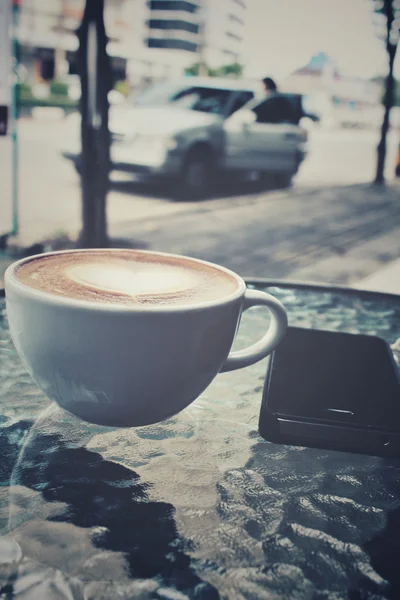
[246, 118]
[240, 120]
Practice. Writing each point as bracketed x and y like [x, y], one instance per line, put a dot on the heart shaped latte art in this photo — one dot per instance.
[135, 281]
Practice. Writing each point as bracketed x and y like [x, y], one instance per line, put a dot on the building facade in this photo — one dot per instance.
[48, 42]
[213, 30]
[174, 25]
[224, 31]
[148, 39]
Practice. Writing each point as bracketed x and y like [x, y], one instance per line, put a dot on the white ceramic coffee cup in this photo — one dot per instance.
[128, 366]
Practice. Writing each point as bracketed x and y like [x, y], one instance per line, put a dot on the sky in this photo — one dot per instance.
[283, 34]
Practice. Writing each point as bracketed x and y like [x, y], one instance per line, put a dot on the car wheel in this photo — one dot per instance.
[196, 177]
[264, 182]
[283, 180]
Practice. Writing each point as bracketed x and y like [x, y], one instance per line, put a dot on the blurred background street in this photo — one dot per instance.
[50, 201]
[329, 223]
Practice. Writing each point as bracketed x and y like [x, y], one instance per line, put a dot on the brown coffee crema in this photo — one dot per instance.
[126, 277]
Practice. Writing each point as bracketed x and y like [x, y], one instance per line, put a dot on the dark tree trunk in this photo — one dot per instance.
[95, 74]
[389, 95]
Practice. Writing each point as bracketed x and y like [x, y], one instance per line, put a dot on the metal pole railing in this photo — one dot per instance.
[14, 121]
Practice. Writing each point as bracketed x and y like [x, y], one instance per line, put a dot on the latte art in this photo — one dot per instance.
[131, 281]
[126, 277]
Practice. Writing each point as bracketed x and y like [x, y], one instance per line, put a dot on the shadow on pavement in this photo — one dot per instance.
[226, 187]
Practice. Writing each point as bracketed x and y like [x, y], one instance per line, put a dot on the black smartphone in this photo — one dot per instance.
[332, 390]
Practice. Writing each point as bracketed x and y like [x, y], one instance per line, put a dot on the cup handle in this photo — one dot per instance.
[275, 333]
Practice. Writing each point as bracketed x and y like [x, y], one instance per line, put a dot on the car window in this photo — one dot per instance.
[276, 109]
[199, 98]
[209, 100]
[240, 100]
[157, 94]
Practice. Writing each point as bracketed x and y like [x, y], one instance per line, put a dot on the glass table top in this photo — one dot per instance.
[199, 506]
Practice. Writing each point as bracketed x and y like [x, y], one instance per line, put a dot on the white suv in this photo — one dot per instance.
[192, 130]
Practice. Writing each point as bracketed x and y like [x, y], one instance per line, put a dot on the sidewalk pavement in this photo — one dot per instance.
[386, 279]
[340, 235]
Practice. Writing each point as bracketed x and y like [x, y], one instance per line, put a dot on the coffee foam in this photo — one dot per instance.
[126, 277]
[133, 280]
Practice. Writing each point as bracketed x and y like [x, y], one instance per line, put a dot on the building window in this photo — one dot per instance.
[174, 24]
[234, 36]
[241, 99]
[172, 44]
[233, 55]
[235, 19]
[202, 99]
[47, 69]
[173, 5]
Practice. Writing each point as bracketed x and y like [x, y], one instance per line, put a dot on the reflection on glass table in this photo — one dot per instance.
[199, 506]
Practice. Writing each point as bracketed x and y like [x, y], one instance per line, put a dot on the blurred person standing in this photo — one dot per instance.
[270, 86]
[294, 102]
[283, 109]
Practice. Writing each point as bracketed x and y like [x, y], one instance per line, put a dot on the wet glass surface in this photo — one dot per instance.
[199, 506]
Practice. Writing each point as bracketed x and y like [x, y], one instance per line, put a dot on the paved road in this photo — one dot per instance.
[332, 234]
[49, 187]
[342, 157]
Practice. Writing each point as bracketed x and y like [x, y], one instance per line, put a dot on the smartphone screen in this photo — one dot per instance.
[329, 377]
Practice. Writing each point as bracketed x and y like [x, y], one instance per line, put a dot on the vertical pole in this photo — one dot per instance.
[397, 169]
[59, 50]
[14, 121]
[95, 73]
[391, 49]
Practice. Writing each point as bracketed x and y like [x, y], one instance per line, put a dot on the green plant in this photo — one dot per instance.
[234, 69]
[122, 87]
[28, 101]
[24, 90]
[213, 72]
[58, 88]
[192, 70]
